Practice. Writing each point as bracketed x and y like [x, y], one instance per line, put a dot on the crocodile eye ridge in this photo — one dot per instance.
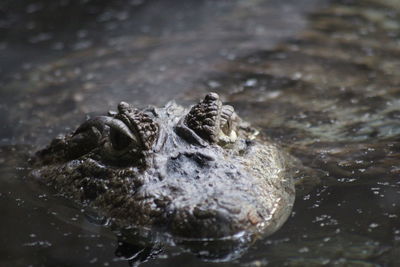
[213, 121]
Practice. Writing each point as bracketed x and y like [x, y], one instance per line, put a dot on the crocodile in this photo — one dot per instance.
[198, 173]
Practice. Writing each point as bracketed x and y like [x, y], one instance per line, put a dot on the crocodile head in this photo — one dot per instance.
[193, 173]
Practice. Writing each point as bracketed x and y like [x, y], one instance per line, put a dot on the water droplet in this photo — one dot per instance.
[373, 225]
[297, 76]
[251, 82]
[304, 250]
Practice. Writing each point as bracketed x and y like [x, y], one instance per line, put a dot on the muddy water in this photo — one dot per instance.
[321, 78]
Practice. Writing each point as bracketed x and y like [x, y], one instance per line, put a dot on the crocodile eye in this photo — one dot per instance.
[119, 140]
[213, 121]
[131, 133]
[144, 130]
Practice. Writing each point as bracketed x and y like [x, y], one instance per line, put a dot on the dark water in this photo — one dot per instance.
[321, 78]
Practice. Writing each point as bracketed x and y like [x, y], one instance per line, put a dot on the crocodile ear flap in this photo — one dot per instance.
[203, 118]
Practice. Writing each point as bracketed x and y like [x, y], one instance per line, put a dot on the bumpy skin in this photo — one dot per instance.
[197, 173]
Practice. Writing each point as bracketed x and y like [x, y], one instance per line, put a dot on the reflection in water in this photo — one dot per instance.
[135, 254]
[325, 88]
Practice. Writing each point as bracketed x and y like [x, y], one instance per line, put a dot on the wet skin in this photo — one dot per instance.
[193, 173]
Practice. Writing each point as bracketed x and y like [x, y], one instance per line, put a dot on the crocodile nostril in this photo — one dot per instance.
[201, 159]
[190, 164]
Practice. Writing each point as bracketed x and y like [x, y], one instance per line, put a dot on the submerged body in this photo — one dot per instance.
[198, 173]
